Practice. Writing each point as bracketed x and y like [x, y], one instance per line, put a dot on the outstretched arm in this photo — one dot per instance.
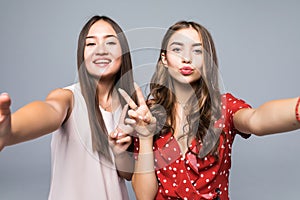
[33, 120]
[272, 117]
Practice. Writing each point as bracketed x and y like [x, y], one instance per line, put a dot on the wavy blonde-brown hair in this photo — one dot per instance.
[204, 107]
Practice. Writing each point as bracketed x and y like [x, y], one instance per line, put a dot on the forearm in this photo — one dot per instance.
[32, 121]
[272, 117]
[144, 171]
[125, 165]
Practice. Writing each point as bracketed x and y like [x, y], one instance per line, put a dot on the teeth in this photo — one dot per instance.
[102, 61]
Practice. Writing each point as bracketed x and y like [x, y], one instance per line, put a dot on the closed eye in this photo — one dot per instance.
[90, 44]
[176, 50]
[111, 43]
[197, 51]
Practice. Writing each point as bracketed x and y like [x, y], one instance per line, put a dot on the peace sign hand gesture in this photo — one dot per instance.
[120, 139]
[140, 116]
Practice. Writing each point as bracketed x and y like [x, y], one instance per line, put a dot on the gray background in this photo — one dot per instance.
[257, 44]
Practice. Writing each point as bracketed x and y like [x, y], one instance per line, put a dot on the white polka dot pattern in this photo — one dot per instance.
[188, 176]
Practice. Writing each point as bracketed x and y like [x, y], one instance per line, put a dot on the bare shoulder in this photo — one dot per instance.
[60, 93]
[61, 99]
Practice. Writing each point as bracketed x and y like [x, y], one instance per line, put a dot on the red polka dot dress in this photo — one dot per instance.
[189, 177]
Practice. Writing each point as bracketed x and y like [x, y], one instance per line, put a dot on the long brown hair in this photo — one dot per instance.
[204, 109]
[123, 79]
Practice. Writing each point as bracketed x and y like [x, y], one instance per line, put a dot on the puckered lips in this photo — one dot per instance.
[102, 61]
[186, 70]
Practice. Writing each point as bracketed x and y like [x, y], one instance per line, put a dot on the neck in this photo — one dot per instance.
[107, 95]
[104, 89]
[183, 92]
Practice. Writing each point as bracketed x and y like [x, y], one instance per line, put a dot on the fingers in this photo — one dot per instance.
[131, 103]
[136, 116]
[124, 140]
[141, 119]
[128, 99]
[125, 129]
[119, 137]
[123, 114]
[133, 114]
[5, 101]
[113, 135]
[143, 111]
[129, 121]
[119, 142]
[150, 119]
[139, 94]
[121, 131]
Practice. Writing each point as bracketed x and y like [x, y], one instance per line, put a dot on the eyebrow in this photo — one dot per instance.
[176, 43]
[197, 44]
[181, 44]
[106, 36]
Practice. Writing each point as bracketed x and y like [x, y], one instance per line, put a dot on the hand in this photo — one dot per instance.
[143, 121]
[120, 139]
[5, 119]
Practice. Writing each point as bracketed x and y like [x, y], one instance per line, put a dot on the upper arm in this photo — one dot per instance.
[242, 120]
[61, 101]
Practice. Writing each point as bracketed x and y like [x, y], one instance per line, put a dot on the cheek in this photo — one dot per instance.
[173, 60]
[116, 65]
[117, 57]
[198, 74]
[118, 62]
[116, 52]
[197, 62]
[87, 54]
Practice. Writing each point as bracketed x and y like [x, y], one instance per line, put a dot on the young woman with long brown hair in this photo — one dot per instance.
[185, 137]
[90, 139]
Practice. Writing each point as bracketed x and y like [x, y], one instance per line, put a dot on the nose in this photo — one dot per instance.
[186, 57]
[101, 49]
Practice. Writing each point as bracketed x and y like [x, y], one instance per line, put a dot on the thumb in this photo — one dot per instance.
[5, 102]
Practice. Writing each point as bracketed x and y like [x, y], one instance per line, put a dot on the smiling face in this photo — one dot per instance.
[102, 52]
[184, 57]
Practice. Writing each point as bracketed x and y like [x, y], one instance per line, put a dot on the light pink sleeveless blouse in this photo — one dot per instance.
[77, 172]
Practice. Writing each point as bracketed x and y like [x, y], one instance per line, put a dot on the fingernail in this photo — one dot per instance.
[135, 85]
[129, 121]
[120, 90]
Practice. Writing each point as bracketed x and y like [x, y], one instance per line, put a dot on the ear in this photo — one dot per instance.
[164, 59]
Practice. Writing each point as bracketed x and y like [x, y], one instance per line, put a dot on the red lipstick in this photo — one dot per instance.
[186, 70]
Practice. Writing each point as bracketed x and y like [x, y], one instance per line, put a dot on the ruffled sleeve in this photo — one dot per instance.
[230, 105]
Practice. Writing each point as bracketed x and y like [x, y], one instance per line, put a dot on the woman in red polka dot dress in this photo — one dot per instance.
[185, 139]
